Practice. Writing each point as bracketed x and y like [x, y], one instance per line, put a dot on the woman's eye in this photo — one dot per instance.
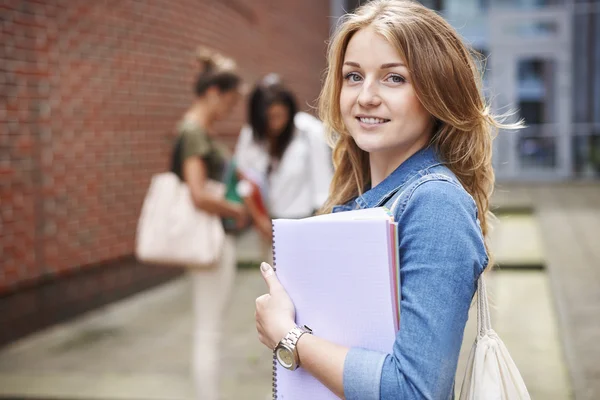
[396, 79]
[352, 77]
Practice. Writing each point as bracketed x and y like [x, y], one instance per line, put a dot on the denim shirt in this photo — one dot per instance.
[442, 254]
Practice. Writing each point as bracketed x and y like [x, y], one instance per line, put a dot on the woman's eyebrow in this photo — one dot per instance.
[392, 65]
[383, 66]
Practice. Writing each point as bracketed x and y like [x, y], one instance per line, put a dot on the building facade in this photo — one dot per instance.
[541, 65]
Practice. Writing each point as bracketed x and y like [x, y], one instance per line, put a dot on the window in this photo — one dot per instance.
[536, 83]
[351, 5]
[437, 5]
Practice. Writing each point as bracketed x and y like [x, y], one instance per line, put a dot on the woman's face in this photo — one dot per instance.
[278, 116]
[222, 103]
[378, 102]
[227, 103]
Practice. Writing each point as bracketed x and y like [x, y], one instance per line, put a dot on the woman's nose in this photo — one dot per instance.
[369, 95]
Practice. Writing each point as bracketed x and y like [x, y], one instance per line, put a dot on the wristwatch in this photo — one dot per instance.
[286, 352]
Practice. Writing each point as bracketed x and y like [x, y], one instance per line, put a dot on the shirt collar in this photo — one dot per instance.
[375, 197]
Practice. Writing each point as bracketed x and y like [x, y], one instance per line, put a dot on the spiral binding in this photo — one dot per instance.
[274, 355]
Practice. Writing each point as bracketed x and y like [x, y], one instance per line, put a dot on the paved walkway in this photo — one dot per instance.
[139, 348]
[569, 220]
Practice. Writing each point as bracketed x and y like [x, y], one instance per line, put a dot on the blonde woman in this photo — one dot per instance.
[199, 156]
[404, 94]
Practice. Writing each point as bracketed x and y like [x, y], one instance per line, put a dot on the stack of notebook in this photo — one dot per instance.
[342, 272]
[233, 176]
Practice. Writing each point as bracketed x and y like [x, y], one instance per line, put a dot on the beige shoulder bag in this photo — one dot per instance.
[172, 231]
[491, 373]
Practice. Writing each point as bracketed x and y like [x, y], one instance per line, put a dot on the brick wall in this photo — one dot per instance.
[89, 94]
[90, 90]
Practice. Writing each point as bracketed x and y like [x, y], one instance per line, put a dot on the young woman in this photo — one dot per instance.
[403, 93]
[288, 151]
[198, 157]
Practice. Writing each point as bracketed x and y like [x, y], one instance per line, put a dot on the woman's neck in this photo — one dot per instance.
[381, 168]
[272, 146]
[200, 113]
[383, 163]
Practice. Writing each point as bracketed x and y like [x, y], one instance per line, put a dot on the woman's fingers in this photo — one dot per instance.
[261, 301]
[270, 278]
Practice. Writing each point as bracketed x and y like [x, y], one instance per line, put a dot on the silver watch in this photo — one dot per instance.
[286, 352]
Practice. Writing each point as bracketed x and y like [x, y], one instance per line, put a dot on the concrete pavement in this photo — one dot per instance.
[139, 348]
[569, 224]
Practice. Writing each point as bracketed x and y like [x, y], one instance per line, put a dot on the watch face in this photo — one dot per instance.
[285, 357]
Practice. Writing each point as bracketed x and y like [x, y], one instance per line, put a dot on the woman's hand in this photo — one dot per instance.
[275, 312]
[242, 217]
[264, 228]
[261, 220]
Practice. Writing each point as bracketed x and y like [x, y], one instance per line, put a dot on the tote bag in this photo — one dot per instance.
[491, 373]
[172, 231]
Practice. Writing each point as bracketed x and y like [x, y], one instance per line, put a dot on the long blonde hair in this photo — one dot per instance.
[446, 81]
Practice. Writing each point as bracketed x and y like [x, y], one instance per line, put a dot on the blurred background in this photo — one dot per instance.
[90, 92]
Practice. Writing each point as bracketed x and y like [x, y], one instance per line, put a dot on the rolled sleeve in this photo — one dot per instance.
[362, 374]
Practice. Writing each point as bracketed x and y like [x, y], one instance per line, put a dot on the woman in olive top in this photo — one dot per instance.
[199, 157]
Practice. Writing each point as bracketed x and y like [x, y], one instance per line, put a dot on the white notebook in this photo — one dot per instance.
[342, 274]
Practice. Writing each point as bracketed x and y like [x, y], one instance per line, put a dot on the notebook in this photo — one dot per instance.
[341, 271]
[232, 178]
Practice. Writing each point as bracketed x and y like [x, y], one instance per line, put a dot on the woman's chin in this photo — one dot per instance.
[369, 144]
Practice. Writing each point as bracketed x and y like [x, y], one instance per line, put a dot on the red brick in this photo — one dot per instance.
[94, 90]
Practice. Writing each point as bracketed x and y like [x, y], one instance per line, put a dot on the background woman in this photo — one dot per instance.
[287, 150]
[199, 157]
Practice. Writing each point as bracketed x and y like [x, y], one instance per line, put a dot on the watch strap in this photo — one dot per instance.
[294, 335]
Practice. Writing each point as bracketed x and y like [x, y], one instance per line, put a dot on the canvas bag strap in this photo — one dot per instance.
[484, 322]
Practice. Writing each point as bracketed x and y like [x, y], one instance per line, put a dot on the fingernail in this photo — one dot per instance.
[264, 267]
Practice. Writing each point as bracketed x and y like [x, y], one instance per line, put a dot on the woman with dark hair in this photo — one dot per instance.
[199, 157]
[287, 149]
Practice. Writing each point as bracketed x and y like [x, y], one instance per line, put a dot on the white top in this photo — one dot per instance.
[299, 184]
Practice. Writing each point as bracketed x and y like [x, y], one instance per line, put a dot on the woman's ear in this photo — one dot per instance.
[213, 94]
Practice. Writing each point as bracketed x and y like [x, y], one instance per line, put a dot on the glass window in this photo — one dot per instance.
[586, 68]
[536, 82]
[526, 3]
[437, 5]
[351, 5]
[532, 29]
